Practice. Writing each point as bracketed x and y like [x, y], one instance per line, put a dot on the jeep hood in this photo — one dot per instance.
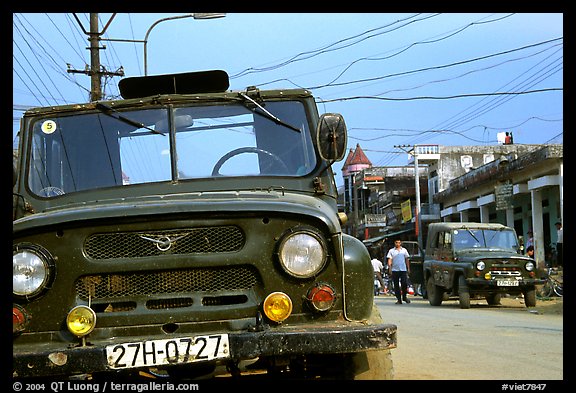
[487, 253]
[231, 202]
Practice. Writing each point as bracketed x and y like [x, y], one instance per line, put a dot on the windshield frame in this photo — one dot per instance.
[173, 144]
[484, 238]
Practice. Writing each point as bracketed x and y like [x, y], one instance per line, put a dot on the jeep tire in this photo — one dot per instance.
[493, 299]
[530, 297]
[435, 293]
[463, 292]
[372, 365]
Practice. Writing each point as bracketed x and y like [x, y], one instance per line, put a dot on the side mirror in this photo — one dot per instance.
[331, 136]
[14, 173]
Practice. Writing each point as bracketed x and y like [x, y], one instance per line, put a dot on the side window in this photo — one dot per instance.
[439, 239]
[448, 241]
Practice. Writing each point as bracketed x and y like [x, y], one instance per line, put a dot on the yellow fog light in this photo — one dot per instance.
[81, 320]
[277, 306]
[487, 276]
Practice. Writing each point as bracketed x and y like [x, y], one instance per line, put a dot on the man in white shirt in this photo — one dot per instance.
[378, 266]
[399, 268]
[559, 243]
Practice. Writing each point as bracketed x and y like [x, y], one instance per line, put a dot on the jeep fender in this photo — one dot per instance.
[358, 279]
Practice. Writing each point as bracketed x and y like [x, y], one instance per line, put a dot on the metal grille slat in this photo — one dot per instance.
[113, 286]
[153, 243]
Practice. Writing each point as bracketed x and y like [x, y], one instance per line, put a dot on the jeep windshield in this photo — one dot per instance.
[484, 238]
[119, 148]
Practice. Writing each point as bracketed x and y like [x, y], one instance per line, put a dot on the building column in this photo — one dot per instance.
[561, 190]
[510, 217]
[538, 227]
[484, 213]
[464, 216]
[484, 203]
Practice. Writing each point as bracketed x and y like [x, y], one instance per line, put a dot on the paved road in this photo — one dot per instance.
[507, 342]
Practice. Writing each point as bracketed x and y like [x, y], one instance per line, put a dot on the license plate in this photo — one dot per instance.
[507, 283]
[168, 351]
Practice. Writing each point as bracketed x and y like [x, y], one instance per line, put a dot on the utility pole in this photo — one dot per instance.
[418, 223]
[95, 72]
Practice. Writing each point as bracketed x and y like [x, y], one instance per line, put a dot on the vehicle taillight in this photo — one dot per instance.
[321, 297]
[19, 319]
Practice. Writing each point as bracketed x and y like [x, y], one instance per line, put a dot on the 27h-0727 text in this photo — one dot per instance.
[168, 351]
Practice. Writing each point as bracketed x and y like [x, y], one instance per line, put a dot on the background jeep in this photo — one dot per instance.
[468, 259]
[180, 234]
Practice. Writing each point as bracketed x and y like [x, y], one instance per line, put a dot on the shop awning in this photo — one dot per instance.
[391, 234]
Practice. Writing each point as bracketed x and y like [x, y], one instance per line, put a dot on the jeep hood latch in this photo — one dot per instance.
[319, 186]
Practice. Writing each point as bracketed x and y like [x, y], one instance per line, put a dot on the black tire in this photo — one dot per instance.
[493, 299]
[435, 293]
[530, 297]
[369, 365]
[372, 365]
[463, 293]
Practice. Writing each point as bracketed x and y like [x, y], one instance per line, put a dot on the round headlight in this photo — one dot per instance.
[480, 265]
[30, 271]
[529, 266]
[302, 254]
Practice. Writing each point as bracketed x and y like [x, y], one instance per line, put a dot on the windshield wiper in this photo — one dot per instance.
[265, 113]
[107, 111]
[472, 234]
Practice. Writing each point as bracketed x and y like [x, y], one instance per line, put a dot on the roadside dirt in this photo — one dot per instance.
[552, 305]
[406, 369]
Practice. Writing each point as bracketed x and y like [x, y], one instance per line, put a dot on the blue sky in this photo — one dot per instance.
[398, 78]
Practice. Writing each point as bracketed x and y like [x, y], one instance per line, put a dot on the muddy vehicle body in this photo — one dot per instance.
[467, 260]
[188, 231]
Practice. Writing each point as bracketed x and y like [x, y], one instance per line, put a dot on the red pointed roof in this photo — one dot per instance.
[356, 161]
[358, 157]
[349, 158]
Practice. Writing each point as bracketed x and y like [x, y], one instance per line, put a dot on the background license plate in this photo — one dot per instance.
[507, 283]
[168, 351]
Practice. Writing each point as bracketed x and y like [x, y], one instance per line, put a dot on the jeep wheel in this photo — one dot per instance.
[463, 293]
[530, 297]
[372, 365]
[369, 365]
[493, 299]
[435, 293]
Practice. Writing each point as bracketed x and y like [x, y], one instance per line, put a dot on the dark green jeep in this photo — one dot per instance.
[188, 230]
[468, 259]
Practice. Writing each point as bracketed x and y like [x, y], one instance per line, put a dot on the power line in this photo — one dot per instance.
[433, 67]
[328, 48]
[429, 41]
[501, 93]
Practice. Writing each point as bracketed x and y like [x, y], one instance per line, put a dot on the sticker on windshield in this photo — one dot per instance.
[48, 127]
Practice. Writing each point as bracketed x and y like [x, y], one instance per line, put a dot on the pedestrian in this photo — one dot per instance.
[399, 268]
[378, 266]
[530, 251]
[530, 240]
[559, 243]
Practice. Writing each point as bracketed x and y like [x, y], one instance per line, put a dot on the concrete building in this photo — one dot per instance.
[522, 189]
[514, 184]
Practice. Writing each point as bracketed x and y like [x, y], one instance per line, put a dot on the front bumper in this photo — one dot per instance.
[52, 360]
[481, 284]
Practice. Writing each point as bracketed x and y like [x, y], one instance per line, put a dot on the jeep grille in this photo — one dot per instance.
[111, 286]
[183, 241]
